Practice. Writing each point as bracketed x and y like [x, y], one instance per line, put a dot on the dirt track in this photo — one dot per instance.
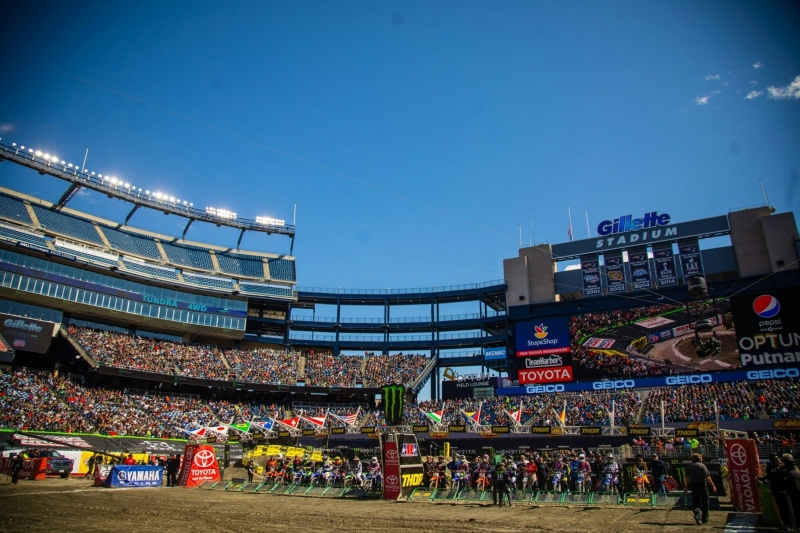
[74, 505]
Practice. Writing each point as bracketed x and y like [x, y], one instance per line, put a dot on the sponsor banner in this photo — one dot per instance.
[27, 334]
[500, 429]
[6, 352]
[494, 354]
[544, 361]
[199, 465]
[767, 329]
[640, 269]
[391, 471]
[596, 342]
[662, 381]
[787, 423]
[638, 431]
[664, 260]
[655, 322]
[615, 273]
[134, 476]
[467, 388]
[410, 462]
[687, 432]
[457, 429]
[617, 240]
[31, 468]
[653, 338]
[591, 430]
[691, 260]
[743, 472]
[544, 336]
[101, 473]
[545, 375]
[420, 429]
[368, 430]
[701, 425]
[438, 434]
[590, 270]
[541, 430]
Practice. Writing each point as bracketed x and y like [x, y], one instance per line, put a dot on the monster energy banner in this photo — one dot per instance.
[640, 269]
[615, 273]
[690, 258]
[393, 400]
[665, 266]
[590, 269]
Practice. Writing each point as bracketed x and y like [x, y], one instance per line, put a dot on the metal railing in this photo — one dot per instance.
[427, 290]
[396, 320]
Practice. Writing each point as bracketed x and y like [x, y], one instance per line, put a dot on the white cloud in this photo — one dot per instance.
[754, 82]
[757, 65]
[752, 95]
[703, 100]
[784, 93]
[712, 77]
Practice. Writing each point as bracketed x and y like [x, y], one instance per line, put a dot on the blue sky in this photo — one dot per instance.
[419, 136]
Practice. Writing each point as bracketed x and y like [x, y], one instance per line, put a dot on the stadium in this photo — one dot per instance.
[120, 340]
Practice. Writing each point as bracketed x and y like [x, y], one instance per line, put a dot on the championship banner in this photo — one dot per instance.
[199, 465]
[767, 330]
[666, 276]
[691, 260]
[590, 270]
[640, 269]
[134, 476]
[743, 472]
[615, 273]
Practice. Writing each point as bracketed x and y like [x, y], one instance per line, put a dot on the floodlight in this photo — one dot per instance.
[69, 165]
[184, 202]
[13, 144]
[22, 147]
[191, 204]
[146, 192]
[46, 156]
[171, 198]
[30, 150]
[64, 163]
[38, 153]
[128, 186]
[92, 173]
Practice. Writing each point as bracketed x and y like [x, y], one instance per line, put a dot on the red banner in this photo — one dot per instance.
[31, 468]
[546, 375]
[743, 472]
[391, 471]
[199, 465]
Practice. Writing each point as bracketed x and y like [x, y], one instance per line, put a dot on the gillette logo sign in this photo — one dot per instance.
[627, 223]
[539, 337]
[21, 324]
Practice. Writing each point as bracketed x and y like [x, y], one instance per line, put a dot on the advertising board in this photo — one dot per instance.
[542, 336]
[767, 327]
[27, 334]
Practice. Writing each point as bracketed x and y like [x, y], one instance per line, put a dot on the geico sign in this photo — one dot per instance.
[686, 380]
[534, 389]
[772, 374]
[619, 384]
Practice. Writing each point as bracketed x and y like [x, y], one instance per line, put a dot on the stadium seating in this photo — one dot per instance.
[282, 269]
[123, 241]
[68, 225]
[264, 290]
[241, 265]
[38, 240]
[88, 256]
[213, 283]
[150, 271]
[187, 255]
[14, 209]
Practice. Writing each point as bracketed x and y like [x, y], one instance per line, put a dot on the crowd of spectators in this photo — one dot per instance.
[398, 368]
[263, 366]
[327, 370]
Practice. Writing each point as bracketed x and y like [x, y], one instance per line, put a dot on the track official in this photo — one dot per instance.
[698, 479]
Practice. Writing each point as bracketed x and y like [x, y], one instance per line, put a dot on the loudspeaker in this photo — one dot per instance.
[698, 289]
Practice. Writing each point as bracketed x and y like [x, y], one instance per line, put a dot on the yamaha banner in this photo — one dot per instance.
[690, 258]
[615, 273]
[640, 269]
[134, 476]
[767, 329]
[665, 266]
[590, 269]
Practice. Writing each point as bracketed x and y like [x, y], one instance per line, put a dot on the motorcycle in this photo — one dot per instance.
[642, 483]
[580, 482]
[556, 480]
[608, 483]
[530, 482]
[460, 481]
[482, 483]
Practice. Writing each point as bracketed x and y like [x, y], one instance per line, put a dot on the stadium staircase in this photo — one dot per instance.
[32, 214]
[364, 367]
[424, 376]
[643, 395]
[78, 348]
[214, 261]
[301, 367]
[103, 237]
[364, 419]
[163, 253]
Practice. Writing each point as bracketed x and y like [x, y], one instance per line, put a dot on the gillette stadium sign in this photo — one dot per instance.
[651, 227]
[767, 328]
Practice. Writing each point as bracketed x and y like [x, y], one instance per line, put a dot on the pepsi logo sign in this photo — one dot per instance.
[766, 306]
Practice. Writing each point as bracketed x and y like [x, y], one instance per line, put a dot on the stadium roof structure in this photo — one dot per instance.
[80, 178]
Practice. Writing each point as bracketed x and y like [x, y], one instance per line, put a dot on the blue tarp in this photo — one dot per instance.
[134, 476]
